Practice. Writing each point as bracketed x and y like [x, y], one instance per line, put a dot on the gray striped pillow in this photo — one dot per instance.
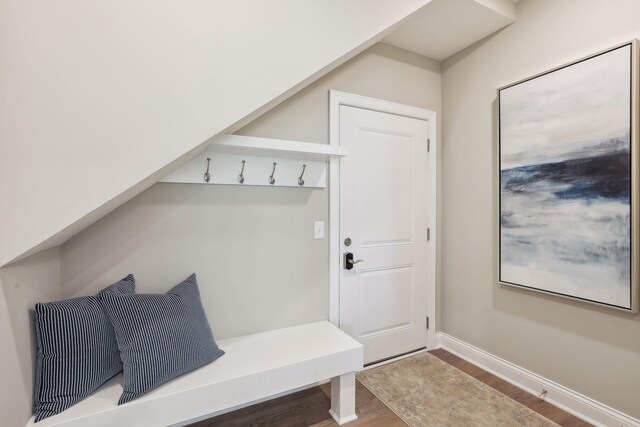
[77, 350]
[160, 336]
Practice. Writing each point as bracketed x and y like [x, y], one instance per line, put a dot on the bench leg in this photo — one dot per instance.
[343, 398]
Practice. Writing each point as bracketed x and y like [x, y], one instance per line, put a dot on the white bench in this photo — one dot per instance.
[254, 368]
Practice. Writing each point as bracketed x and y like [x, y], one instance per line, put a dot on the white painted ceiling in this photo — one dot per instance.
[445, 27]
[132, 97]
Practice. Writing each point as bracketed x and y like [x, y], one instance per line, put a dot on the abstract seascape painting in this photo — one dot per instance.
[566, 181]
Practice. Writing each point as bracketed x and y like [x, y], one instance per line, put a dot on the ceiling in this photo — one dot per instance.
[445, 27]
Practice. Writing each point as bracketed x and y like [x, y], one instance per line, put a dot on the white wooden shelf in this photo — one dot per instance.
[254, 367]
[251, 145]
[224, 160]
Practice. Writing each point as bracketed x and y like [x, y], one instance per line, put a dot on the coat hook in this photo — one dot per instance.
[300, 180]
[271, 178]
[241, 176]
[207, 177]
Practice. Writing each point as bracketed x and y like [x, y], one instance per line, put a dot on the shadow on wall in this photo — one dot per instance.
[454, 59]
[186, 213]
[252, 249]
[406, 57]
[553, 311]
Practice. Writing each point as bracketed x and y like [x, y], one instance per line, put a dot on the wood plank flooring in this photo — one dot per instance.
[307, 408]
[310, 407]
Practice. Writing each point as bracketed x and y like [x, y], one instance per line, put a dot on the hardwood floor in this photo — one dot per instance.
[307, 408]
[310, 407]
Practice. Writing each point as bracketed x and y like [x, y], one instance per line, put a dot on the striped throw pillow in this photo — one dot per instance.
[160, 336]
[77, 350]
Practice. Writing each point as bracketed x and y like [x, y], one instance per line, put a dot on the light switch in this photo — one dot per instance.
[318, 230]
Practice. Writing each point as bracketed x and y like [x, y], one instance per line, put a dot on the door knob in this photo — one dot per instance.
[349, 262]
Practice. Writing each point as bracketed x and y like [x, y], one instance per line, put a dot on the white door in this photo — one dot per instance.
[384, 220]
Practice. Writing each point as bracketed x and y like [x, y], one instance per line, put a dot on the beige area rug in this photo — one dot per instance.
[425, 391]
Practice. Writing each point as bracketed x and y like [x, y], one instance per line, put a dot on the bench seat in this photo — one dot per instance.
[255, 367]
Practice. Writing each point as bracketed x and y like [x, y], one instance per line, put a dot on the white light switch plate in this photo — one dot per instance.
[318, 230]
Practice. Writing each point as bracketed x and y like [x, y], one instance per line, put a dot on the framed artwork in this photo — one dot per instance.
[568, 180]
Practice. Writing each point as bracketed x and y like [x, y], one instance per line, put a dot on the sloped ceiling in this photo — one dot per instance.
[100, 99]
[444, 27]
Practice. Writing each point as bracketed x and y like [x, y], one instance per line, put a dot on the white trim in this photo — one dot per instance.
[336, 99]
[581, 406]
[224, 160]
[240, 144]
[225, 169]
[342, 421]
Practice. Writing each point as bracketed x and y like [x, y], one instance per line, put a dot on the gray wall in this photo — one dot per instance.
[593, 350]
[251, 247]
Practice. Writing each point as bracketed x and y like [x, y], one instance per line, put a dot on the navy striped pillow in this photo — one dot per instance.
[160, 336]
[77, 350]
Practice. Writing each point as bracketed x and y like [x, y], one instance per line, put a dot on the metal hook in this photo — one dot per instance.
[300, 180]
[207, 177]
[241, 176]
[271, 178]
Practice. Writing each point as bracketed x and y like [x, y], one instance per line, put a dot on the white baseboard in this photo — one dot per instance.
[573, 402]
[342, 421]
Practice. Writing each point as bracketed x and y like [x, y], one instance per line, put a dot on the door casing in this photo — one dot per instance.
[336, 99]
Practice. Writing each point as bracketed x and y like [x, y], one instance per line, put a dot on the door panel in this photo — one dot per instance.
[385, 165]
[389, 288]
[384, 211]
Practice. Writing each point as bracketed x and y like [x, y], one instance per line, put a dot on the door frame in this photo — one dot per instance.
[337, 99]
